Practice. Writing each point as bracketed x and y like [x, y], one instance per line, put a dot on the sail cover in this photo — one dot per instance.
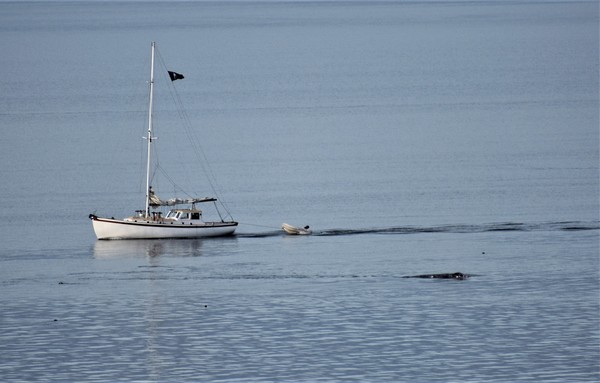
[155, 201]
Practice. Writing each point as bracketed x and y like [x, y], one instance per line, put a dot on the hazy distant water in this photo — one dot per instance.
[414, 137]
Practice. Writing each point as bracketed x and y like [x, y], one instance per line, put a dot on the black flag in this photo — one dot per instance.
[175, 76]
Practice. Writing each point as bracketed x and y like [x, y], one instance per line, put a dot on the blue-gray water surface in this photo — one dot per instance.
[414, 137]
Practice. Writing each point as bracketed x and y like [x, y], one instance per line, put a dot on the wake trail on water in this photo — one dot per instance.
[448, 228]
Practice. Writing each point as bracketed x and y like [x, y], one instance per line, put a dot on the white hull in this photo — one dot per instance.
[106, 228]
[293, 230]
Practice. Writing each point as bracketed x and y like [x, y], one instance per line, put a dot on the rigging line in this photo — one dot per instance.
[204, 162]
[253, 224]
[141, 172]
[153, 175]
[155, 158]
[158, 167]
[193, 139]
[218, 211]
[173, 183]
[212, 179]
[143, 144]
[183, 116]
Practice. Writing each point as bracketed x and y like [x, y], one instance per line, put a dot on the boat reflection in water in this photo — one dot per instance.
[150, 248]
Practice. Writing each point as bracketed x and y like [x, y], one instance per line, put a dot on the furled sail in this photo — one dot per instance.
[155, 201]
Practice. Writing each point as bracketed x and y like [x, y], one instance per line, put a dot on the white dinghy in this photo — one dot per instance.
[293, 230]
[150, 222]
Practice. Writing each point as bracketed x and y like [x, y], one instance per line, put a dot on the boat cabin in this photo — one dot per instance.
[190, 216]
[184, 214]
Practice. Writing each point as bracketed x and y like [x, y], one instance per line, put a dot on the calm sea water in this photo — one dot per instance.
[414, 137]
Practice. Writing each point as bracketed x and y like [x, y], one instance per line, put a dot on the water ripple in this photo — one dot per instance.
[447, 228]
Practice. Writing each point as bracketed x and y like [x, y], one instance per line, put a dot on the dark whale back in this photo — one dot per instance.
[459, 276]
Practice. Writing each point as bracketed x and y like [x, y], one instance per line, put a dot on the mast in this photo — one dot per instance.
[149, 137]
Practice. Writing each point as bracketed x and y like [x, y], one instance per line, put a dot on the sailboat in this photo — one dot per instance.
[150, 223]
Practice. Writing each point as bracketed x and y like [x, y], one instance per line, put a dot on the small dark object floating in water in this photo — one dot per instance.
[459, 276]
